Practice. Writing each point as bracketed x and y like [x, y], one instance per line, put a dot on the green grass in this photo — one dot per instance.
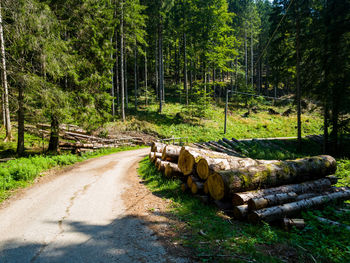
[226, 240]
[22, 171]
[180, 121]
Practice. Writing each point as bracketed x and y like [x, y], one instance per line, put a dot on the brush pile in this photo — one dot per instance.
[77, 139]
[253, 190]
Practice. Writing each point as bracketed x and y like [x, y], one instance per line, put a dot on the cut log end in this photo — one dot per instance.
[203, 169]
[186, 162]
[216, 186]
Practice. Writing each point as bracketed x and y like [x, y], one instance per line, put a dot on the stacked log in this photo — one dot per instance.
[253, 190]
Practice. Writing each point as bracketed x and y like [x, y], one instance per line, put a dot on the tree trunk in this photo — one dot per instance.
[226, 183]
[54, 136]
[246, 54]
[162, 165]
[156, 62]
[4, 82]
[160, 64]
[185, 68]
[20, 141]
[135, 75]
[126, 79]
[298, 82]
[252, 56]
[146, 91]
[310, 186]
[122, 110]
[273, 213]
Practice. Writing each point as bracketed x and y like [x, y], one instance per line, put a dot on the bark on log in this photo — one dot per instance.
[316, 185]
[273, 213]
[162, 165]
[240, 212]
[266, 175]
[153, 156]
[184, 187]
[196, 187]
[157, 162]
[189, 156]
[271, 200]
[171, 153]
[205, 187]
[172, 170]
[207, 165]
[332, 223]
[296, 222]
[157, 147]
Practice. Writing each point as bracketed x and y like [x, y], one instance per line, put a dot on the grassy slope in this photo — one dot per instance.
[210, 126]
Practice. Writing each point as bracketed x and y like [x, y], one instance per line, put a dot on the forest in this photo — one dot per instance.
[94, 62]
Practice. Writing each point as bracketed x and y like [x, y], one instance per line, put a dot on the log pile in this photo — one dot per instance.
[79, 139]
[252, 190]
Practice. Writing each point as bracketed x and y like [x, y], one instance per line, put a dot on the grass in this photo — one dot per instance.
[21, 172]
[200, 123]
[226, 240]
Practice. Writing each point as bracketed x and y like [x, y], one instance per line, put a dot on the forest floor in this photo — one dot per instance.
[203, 123]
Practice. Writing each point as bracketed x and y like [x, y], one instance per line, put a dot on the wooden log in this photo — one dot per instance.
[196, 187]
[240, 212]
[157, 147]
[271, 200]
[205, 187]
[153, 156]
[286, 210]
[157, 162]
[171, 153]
[184, 187]
[189, 156]
[332, 223]
[172, 170]
[269, 175]
[288, 223]
[189, 181]
[162, 165]
[316, 185]
[207, 165]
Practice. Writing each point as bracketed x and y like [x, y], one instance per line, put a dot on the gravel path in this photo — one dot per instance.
[79, 216]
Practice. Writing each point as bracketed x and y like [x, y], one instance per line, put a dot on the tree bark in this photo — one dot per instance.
[226, 183]
[122, 110]
[171, 153]
[185, 68]
[271, 200]
[135, 75]
[298, 82]
[54, 136]
[157, 147]
[20, 141]
[310, 186]
[273, 213]
[172, 170]
[4, 82]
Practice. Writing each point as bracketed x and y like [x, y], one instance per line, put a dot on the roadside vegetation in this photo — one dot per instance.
[21, 172]
[215, 237]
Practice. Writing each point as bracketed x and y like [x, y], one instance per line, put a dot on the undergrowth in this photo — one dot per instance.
[215, 237]
[22, 171]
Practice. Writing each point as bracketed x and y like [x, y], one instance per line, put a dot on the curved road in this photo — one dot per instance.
[79, 216]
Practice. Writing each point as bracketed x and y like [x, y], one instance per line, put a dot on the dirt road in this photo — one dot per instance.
[79, 216]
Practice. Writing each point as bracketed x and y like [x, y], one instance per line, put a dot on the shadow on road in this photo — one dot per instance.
[126, 239]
